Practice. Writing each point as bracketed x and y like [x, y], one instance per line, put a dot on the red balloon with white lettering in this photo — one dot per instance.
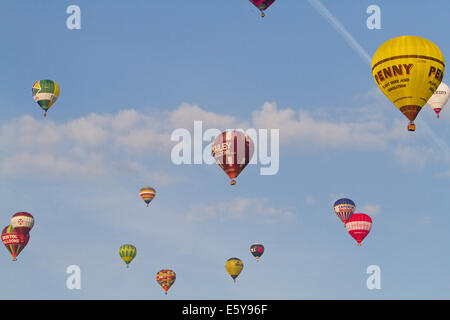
[13, 241]
[232, 151]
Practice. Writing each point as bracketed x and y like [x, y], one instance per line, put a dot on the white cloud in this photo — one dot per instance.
[413, 156]
[98, 143]
[301, 128]
[238, 209]
[186, 114]
[371, 209]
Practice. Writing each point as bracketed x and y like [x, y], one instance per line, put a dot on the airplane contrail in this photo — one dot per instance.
[335, 23]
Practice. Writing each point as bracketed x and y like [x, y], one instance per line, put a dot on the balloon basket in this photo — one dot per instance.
[233, 182]
[411, 127]
[263, 14]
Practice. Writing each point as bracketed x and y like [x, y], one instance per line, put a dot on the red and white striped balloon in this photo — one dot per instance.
[359, 226]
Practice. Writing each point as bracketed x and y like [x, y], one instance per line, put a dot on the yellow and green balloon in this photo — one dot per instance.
[45, 93]
[127, 252]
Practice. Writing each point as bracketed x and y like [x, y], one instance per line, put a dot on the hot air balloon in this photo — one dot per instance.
[358, 226]
[45, 93]
[22, 222]
[166, 278]
[408, 70]
[147, 194]
[439, 98]
[257, 250]
[232, 150]
[344, 209]
[127, 252]
[234, 267]
[262, 5]
[13, 241]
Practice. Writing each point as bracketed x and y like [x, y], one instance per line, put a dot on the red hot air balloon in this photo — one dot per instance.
[22, 222]
[359, 226]
[232, 150]
[14, 242]
[262, 5]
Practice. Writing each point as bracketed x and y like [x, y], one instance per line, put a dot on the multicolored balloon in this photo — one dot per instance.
[257, 250]
[234, 267]
[262, 5]
[166, 278]
[147, 194]
[344, 209]
[45, 93]
[439, 98]
[232, 151]
[408, 70]
[14, 242]
[22, 222]
[359, 226]
[127, 252]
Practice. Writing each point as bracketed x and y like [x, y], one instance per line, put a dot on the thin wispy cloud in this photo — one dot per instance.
[353, 43]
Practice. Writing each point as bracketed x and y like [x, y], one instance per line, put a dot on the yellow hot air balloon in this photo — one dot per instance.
[408, 70]
[234, 267]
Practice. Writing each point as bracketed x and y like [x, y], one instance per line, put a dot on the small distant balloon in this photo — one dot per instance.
[127, 252]
[232, 151]
[234, 267]
[147, 194]
[262, 5]
[166, 278]
[22, 222]
[14, 242]
[359, 226]
[344, 209]
[257, 250]
[45, 93]
[439, 98]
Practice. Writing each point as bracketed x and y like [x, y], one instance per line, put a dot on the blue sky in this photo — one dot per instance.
[138, 70]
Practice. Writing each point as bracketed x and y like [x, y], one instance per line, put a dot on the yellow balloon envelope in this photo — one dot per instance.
[234, 267]
[408, 70]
